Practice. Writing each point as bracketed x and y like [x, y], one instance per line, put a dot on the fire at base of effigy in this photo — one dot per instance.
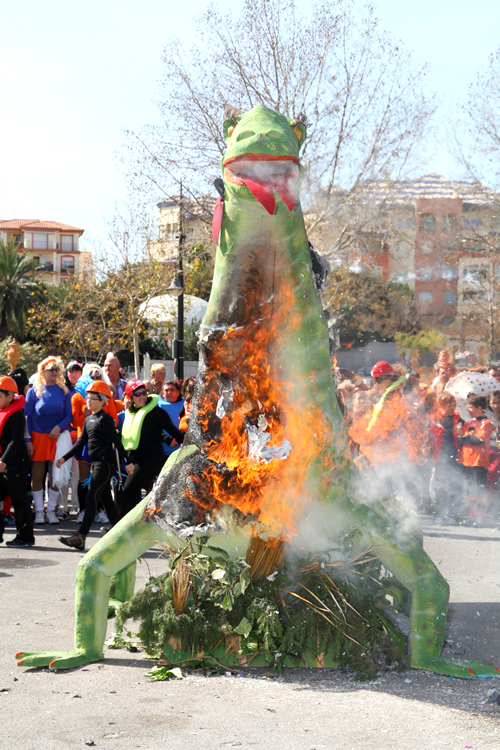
[245, 587]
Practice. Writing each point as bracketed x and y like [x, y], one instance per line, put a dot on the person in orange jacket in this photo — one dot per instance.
[474, 455]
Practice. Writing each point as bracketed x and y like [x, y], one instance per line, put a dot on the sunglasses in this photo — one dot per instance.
[51, 369]
[139, 393]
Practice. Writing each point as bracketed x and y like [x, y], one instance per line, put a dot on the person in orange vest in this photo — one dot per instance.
[474, 456]
[14, 462]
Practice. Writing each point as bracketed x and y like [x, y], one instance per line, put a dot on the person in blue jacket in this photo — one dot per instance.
[48, 413]
[172, 402]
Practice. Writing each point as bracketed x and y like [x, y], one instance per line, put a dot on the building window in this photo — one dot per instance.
[474, 275]
[427, 223]
[450, 298]
[449, 224]
[427, 248]
[45, 263]
[470, 222]
[40, 241]
[425, 297]
[404, 249]
[450, 272]
[68, 265]
[425, 274]
[472, 296]
[451, 247]
[407, 223]
[44, 241]
[67, 243]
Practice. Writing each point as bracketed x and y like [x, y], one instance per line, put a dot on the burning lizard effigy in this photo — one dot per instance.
[266, 458]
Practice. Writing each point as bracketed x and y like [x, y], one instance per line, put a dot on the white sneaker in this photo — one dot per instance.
[50, 517]
[80, 516]
[39, 517]
[62, 514]
[101, 517]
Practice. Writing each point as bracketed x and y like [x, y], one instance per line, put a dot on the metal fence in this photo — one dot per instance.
[190, 369]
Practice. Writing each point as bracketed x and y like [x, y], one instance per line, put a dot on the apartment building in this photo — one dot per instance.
[53, 244]
[439, 236]
[196, 224]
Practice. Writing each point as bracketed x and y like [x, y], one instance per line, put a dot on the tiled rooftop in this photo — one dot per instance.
[37, 225]
[406, 192]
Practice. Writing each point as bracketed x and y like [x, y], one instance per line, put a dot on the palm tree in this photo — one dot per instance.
[18, 289]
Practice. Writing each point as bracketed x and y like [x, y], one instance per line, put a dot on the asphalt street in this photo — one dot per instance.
[112, 704]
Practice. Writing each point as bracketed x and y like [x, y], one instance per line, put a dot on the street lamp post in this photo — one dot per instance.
[176, 289]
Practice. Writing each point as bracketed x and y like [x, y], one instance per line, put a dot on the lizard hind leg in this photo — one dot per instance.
[413, 567]
[122, 587]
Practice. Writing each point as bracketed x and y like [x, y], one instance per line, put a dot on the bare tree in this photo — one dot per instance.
[366, 104]
[477, 136]
[477, 148]
[127, 278]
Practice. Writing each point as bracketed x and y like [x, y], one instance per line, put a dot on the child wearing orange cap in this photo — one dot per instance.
[99, 433]
[14, 464]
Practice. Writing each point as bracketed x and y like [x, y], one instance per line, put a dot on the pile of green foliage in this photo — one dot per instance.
[315, 604]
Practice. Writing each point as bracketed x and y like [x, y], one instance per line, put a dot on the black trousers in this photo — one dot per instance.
[99, 489]
[143, 478]
[13, 483]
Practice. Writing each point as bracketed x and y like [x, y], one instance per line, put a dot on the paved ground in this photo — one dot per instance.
[112, 704]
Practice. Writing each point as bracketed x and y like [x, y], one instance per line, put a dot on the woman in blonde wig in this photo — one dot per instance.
[158, 374]
[48, 413]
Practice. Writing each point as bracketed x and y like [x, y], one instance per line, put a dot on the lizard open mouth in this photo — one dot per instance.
[265, 175]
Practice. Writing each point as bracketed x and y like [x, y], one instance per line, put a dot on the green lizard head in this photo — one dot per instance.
[262, 156]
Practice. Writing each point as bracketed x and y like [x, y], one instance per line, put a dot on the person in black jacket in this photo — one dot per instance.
[100, 434]
[142, 433]
[14, 464]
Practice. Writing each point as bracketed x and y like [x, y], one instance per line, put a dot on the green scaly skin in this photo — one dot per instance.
[273, 249]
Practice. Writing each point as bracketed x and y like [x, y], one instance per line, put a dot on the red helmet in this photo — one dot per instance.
[8, 384]
[99, 386]
[381, 368]
[133, 385]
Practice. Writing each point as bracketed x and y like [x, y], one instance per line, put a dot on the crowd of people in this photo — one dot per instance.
[412, 436]
[116, 433]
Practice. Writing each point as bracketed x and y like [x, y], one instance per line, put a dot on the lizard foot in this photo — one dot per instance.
[56, 659]
[464, 668]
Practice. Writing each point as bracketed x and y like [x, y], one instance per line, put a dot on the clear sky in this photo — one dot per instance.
[73, 76]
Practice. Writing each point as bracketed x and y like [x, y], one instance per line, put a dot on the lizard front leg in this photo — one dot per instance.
[119, 549]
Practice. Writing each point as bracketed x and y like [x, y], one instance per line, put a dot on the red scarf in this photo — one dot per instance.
[14, 406]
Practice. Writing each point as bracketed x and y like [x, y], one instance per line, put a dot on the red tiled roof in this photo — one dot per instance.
[37, 225]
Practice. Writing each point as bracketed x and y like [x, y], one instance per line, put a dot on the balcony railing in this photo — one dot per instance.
[39, 245]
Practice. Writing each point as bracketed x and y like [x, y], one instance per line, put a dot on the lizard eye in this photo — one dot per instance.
[230, 130]
[298, 133]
